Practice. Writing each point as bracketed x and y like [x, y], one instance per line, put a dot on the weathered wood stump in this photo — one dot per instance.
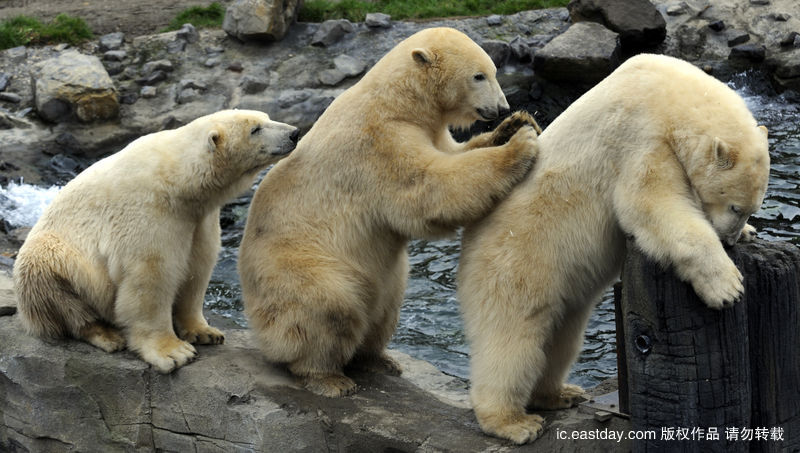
[694, 374]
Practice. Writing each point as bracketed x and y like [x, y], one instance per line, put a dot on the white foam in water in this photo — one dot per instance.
[21, 205]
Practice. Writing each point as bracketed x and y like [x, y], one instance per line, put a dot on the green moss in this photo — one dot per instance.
[23, 30]
[355, 10]
[210, 16]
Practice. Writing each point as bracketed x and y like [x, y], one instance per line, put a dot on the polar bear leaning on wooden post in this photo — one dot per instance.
[126, 249]
[660, 151]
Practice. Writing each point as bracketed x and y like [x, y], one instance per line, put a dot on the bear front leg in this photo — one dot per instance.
[451, 190]
[670, 228]
[190, 323]
[143, 309]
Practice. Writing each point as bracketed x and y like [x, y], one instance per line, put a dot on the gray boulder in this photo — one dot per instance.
[585, 53]
[111, 41]
[115, 55]
[157, 65]
[74, 86]
[755, 53]
[349, 66]
[344, 66]
[188, 33]
[252, 85]
[331, 77]
[638, 22]
[497, 50]
[260, 19]
[786, 68]
[378, 20]
[13, 98]
[736, 37]
[331, 31]
[4, 80]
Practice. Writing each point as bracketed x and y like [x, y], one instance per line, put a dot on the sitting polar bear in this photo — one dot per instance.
[323, 259]
[126, 249]
[659, 151]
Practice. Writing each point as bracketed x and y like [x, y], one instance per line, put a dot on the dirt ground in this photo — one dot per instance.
[133, 17]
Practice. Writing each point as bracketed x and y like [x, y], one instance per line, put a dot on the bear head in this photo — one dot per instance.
[244, 142]
[454, 74]
[730, 179]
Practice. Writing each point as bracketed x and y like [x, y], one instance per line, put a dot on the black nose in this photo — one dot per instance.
[294, 135]
[503, 111]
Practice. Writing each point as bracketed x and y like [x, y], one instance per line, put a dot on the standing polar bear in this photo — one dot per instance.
[659, 151]
[126, 249]
[323, 259]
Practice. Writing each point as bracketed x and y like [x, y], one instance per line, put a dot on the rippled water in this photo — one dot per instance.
[430, 326]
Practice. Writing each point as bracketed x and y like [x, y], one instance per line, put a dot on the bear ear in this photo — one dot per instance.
[764, 130]
[724, 155]
[422, 56]
[213, 141]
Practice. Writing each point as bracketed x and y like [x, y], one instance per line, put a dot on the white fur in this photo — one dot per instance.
[126, 249]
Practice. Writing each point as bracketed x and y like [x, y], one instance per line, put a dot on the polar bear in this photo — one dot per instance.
[659, 151]
[125, 251]
[323, 261]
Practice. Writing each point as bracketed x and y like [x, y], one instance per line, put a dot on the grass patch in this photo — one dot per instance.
[355, 10]
[23, 31]
[210, 16]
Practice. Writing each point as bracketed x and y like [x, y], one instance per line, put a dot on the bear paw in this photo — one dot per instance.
[748, 233]
[569, 396]
[525, 147]
[721, 286]
[167, 353]
[382, 364]
[329, 385]
[503, 133]
[102, 336]
[202, 335]
[519, 429]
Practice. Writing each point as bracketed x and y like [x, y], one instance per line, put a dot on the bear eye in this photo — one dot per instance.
[255, 130]
[736, 209]
[479, 77]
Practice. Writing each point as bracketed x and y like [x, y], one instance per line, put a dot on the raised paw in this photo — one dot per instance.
[569, 396]
[166, 353]
[382, 364]
[719, 287]
[748, 233]
[518, 428]
[202, 335]
[329, 385]
[503, 133]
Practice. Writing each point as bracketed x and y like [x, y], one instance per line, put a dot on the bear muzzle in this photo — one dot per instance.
[289, 145]
[489, 114]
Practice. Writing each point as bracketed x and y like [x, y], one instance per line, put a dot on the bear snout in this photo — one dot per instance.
[288, 145]
[488, 114]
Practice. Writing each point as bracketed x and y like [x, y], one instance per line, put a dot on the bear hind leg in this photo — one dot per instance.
[551, 392]
[53, 284]
[371, 355]
[508, 361]
[316, 341]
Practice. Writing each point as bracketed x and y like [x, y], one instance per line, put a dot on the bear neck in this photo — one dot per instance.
[406, 99]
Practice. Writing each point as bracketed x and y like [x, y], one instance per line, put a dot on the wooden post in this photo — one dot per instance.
[692, 370]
